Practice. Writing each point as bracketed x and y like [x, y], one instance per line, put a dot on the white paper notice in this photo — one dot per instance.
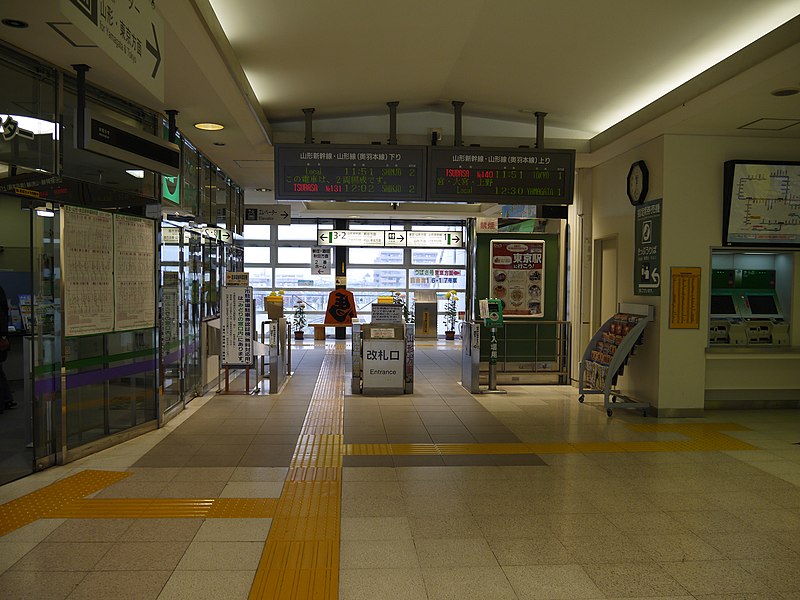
[87, 241]
[134, 264]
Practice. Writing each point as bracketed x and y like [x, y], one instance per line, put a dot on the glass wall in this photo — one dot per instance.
[278, 258]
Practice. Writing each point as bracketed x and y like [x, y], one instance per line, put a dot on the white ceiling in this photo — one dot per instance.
[610, 75]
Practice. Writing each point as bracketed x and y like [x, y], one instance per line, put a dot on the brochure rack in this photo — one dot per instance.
[609, 351]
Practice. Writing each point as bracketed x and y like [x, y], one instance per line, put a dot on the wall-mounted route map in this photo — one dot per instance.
[765, 204]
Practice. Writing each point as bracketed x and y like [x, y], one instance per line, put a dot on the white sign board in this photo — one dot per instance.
[345, 237]
[134, 264]
[170, 315]
[320, 261]
[236, 319]
[387, 313]
[223, 235]
[130, 32]
[272, 214]
[434, 239]
[87, 240]
[383, 364]
[237, 278]
[171, 235]
[393, 239]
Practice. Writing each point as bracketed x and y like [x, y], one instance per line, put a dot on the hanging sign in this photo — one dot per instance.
[321, 261]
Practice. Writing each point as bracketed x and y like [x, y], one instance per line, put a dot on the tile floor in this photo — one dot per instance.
[417, 524]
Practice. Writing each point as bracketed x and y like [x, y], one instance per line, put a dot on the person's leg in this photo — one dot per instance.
[6, 398]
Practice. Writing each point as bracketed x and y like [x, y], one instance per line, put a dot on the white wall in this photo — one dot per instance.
[669, 370]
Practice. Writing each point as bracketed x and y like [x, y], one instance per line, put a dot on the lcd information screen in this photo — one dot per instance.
[343, 172]
[762, 305]
[722, 305]
[503, 175]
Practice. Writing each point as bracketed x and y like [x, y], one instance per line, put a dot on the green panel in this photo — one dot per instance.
[521, 347]
[758, 279]
[722, 279]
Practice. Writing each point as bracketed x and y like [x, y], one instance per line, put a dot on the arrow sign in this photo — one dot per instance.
[275, 214]
[121, 30]
[321, 261]
[155, 52]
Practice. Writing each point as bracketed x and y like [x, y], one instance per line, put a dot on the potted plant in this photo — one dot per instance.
[450, 315]
[299, 320]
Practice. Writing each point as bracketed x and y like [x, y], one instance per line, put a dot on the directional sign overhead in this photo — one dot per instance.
[129, 31]
[223, 235]
[271, 214]
[434, 239]
[394, 239]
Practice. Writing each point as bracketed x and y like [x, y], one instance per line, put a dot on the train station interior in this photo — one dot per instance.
[415, 301]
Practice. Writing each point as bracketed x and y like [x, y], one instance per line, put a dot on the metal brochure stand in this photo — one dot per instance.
[609, 351]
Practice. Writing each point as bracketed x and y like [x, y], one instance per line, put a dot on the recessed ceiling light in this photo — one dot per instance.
[138, 173]
[209, 126]
[785, 92]
[263, 189]
[15, 23]
[219, 143]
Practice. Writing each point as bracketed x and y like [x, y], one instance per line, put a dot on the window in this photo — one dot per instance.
[298, 231]
[257, 232]
[256, 254]
[375, 256]
[294, 255]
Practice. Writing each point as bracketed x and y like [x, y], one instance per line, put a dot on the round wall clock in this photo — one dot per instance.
[638, 180]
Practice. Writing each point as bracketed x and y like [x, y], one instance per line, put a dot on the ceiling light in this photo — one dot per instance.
[785, 92]
[209, 126]
[263, 190]
[15, 23]
[219, 143]
[138, 173]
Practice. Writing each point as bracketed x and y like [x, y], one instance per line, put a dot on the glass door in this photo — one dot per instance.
[192, 267]
[171, 316]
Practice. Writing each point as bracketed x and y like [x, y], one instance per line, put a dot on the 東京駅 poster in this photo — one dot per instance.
[517, 276]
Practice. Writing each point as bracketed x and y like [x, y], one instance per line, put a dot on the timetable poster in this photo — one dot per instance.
[87, 242]
[517, 276]
[134, 265]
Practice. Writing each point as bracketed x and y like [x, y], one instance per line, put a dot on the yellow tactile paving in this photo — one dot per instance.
[301, 556]
[57, 496]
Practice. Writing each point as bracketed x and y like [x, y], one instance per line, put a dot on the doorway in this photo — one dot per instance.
[604, 285]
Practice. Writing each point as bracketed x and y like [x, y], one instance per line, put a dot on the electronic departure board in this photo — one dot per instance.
[502, 175]
[333, 171]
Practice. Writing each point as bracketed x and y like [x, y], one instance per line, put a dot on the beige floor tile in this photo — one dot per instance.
[378, 554]
[142, 556]
[161, 530]
[714, 577]
[467, 583]
[713, 521]
[444, 526]
[233, 530]
[32, 585]
[212, 585]
[221, 556]
[90, 530]
[11, 552]
[204, 474]
[373, 507]
[121, 585]
[512, 526]
[674, 547]
[259, 474]
[374, 584]
[152, 473]
[436, 505]
[252, 489]
[62, 556]
[749, 546]
[362, 489]
[133, 489]
[552, 582]
[780, 575]
[375, 528]
[454, 552]
[369, 474]
[530, 551]
[633, 579]
[33, 532]
[588, 549]
[192, 489]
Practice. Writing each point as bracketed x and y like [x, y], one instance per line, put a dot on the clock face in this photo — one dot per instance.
[637, 182]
